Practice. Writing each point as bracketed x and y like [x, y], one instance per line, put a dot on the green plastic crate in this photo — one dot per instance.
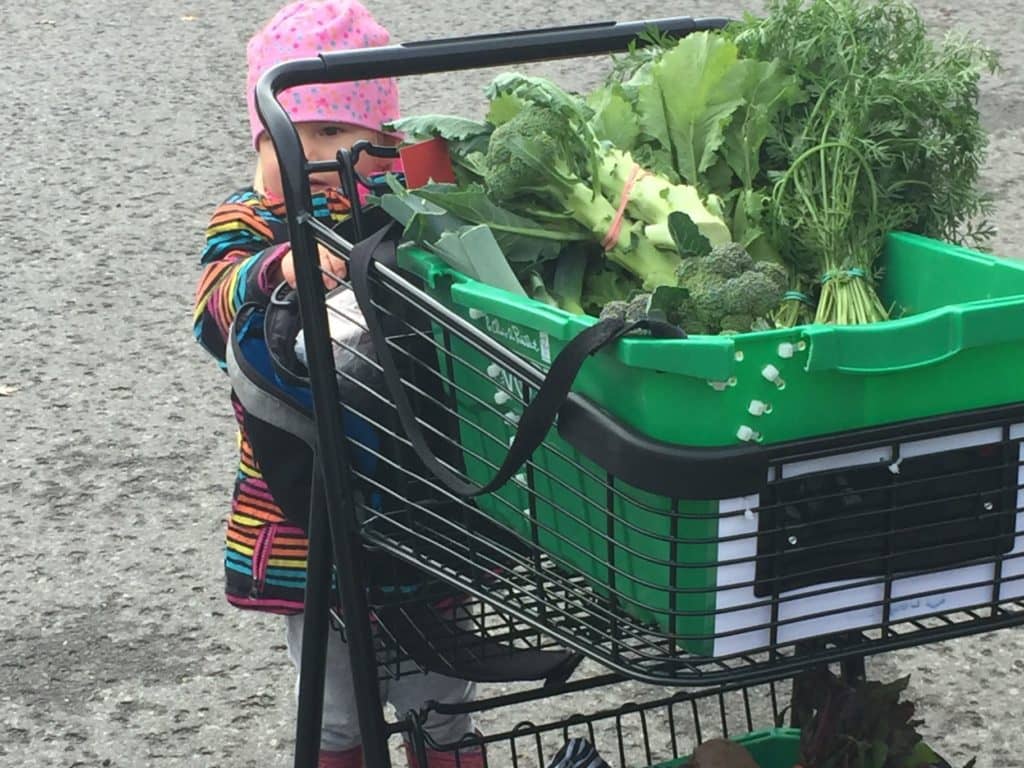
[964, 313]
[958, 346]
[772, 748]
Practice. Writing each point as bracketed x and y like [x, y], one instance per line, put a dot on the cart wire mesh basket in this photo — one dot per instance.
[852, 543]
[664, 561]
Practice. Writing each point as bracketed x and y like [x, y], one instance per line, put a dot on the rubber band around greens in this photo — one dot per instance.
[800, 296]
[838, 273]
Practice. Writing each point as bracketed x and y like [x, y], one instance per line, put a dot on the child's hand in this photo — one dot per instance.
[330, 263]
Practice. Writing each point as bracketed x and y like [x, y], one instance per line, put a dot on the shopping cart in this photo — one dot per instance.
[717, 562]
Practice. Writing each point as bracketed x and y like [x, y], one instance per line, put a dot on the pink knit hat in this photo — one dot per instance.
[305, 29]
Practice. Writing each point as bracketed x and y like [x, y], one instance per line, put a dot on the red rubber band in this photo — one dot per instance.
[613, 232]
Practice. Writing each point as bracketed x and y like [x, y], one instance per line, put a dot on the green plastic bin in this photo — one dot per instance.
[963, 314]
[772, 748]
[957, 346]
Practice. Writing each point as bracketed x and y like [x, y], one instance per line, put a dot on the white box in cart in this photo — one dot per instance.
[838, 606]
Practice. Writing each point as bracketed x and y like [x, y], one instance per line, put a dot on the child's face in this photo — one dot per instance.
[321, 141]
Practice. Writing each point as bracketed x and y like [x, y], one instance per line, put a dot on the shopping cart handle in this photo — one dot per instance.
[500, 49]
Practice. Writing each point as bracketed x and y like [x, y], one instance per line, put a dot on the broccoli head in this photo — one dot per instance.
[635, 309]
[728, 290]
[729, 260]
[736, 323]
[524, 155]
[775, 273]
[616, 308]
[536, 163]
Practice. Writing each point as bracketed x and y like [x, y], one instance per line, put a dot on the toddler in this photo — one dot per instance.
[246, 256]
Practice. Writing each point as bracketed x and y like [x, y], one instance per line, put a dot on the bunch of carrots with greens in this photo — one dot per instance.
[887, 137]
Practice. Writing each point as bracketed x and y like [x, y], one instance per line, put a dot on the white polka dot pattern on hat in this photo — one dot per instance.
[305, 29]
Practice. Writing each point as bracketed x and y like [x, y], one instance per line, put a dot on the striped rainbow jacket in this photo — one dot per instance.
[264, 552]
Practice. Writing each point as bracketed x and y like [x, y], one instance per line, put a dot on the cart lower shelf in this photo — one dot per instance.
[659, 733]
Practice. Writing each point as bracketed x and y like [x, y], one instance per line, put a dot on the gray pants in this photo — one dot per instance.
[340, 729]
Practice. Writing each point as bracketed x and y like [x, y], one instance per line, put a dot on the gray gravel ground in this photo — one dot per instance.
[123, 124]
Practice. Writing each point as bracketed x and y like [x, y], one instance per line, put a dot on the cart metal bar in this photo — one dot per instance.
[315, 627]
[472, 52]
[332, 452]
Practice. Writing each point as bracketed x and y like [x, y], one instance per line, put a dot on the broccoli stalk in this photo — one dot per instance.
[653, 265]
[654, 197]
[530, 162]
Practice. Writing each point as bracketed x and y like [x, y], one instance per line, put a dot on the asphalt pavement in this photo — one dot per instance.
[123, 124]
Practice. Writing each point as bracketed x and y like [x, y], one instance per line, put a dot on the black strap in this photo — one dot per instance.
[538, 416]
[440, 645]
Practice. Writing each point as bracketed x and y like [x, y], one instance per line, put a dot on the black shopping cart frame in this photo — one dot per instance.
[527, 596]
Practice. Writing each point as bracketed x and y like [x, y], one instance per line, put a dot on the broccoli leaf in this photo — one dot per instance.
[719, 178]
[692, 119]
[424, 222]
[471, 249]
[614, 119]
[472, 204]
[766, 91]
[670, 304]
[467, 140]
[649, 105]
[657, 159]
[475, 236]
[451, 127]
[539, 91]
[503, 108]
[469, 163]
[746, 225]
[687, 236]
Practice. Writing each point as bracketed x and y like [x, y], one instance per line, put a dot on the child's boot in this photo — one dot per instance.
[349, 758]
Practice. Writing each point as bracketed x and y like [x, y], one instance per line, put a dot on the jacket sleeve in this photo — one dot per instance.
[239, 261]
